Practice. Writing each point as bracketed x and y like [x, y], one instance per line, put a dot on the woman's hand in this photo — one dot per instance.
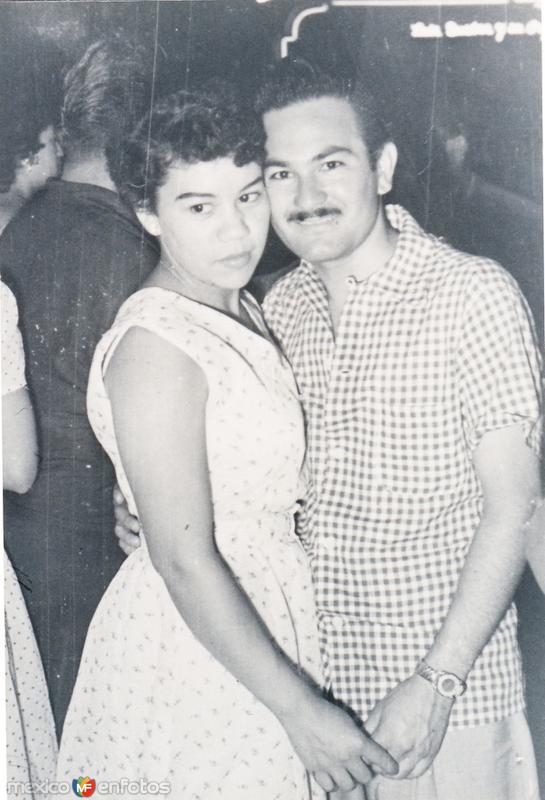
[332, 746]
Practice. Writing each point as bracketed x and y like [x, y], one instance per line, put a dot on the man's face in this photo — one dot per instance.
[324, 193]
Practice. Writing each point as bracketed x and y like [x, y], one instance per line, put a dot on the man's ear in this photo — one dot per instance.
[149, 221]
[386, 164]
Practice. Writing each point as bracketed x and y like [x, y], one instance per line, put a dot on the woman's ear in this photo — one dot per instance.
[149, 221]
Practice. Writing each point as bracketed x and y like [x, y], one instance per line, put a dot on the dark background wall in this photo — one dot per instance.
[464, 112]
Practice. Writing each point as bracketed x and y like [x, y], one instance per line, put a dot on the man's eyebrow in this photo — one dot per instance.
[332, 151]
[274, 162]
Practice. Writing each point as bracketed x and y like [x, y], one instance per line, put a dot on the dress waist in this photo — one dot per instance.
[276, 525]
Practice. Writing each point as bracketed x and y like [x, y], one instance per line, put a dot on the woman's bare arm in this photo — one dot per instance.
[158, 397]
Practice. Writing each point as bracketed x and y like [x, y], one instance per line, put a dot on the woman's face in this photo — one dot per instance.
[34, 171]
[212, 218]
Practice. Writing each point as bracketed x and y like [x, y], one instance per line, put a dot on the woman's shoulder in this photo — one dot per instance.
[159, 315]
[147, 357]
[153, 304]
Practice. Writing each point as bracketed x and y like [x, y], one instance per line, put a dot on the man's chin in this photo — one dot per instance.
[315, 253]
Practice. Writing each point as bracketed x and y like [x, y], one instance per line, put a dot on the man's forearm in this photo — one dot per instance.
[487, 583]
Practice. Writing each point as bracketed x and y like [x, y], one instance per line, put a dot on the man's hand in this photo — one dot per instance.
[410, 723]
[127, 528]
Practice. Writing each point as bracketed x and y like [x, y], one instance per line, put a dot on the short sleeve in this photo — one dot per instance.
[499, 360]
[13, 356]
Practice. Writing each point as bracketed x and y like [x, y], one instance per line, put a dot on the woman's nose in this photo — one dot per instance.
[234, 226]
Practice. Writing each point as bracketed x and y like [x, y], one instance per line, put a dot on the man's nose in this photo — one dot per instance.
[309, 193]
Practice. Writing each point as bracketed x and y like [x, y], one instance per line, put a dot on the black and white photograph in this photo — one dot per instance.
[272, 340]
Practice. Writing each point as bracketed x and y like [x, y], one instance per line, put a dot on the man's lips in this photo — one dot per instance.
[319, 217]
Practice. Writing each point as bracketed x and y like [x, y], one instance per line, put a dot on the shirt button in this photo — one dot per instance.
[346, 371]
[338, 452]
[334, 623]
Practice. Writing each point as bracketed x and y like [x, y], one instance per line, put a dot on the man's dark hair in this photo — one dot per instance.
[186, 127]
[105, 93]
[31, 103]
[295, 81]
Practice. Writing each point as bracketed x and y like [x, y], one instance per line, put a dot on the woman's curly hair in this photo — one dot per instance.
[188, 127]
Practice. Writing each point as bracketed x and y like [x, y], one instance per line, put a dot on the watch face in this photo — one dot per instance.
[450, 686]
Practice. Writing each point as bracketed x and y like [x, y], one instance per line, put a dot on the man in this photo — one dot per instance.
[419, 377]
[74, 253]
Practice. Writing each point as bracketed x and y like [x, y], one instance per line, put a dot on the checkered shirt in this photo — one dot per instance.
[431, 352]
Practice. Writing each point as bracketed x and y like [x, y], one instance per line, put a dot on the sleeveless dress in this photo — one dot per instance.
[150, 702]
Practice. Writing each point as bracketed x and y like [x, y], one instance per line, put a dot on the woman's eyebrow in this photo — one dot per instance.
[185, 195]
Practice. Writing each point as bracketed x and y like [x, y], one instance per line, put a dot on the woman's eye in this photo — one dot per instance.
[199, 208]
[249, 197]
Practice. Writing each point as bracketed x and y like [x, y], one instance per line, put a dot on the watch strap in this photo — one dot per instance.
[447, 684]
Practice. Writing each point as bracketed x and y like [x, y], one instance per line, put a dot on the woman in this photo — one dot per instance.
[30, 733]
[201, 663]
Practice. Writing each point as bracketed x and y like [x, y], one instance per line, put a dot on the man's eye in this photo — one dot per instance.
[199, 208]
[249, 197]
[279, 175]
[327, 166]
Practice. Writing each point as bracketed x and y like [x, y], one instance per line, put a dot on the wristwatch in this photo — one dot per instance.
[447, 684]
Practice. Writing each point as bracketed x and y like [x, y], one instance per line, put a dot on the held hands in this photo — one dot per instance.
[332, 746]
[411, 723]
[127, 528]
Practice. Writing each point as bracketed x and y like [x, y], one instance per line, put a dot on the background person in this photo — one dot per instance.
[29, 118]
[73, 254]
[29, 156]
[31, 745]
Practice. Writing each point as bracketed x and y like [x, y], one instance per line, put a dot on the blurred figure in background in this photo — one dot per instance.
[29, 156]
[31, 745]
[74, 253]
[29, 152]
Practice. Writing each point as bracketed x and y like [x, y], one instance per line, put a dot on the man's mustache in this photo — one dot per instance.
[301, 216]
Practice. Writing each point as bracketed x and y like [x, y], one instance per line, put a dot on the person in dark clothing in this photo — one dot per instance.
[74, 253]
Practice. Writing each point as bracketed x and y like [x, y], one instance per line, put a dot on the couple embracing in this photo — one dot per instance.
[406, 443]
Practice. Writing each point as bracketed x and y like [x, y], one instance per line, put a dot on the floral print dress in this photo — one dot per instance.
[150, 701]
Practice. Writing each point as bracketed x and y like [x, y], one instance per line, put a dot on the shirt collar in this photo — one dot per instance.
[404, 274]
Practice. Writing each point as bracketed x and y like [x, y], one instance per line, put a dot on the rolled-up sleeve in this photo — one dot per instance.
[498, 360]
